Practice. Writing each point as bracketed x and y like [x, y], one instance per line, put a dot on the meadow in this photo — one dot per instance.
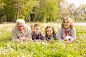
[8, 48]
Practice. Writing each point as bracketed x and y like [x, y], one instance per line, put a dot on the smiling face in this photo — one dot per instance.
[37, 30]
[66, 24]
[49, 31]
[20, 27]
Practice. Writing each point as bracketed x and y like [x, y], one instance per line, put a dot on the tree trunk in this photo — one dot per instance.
[32, 16]
[18, 10]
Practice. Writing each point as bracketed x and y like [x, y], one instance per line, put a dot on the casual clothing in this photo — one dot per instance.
[18, 35]
[49, 37]
[64, 31]
[35, 37]
[60, 36]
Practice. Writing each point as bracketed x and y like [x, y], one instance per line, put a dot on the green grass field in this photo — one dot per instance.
[8, 48]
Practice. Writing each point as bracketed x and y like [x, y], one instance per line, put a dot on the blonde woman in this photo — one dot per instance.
[66, 32]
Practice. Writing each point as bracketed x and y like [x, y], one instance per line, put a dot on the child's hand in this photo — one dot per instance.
[39, 40]
[26, 39]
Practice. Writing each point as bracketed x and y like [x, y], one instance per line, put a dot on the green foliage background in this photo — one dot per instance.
[21, 9]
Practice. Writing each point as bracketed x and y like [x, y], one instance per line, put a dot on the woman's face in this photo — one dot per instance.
[66, 24]
[49, 31]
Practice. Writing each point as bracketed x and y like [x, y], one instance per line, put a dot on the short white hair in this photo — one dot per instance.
[20, 21]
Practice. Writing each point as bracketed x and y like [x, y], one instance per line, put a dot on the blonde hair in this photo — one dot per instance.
[32, 27]
[69, 19]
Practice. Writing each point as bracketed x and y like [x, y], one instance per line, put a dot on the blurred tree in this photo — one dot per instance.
[27, 9]
[1, 10]
[30, 10]
[82, 9]
[47, 10]
[63, 9]
[71, 9]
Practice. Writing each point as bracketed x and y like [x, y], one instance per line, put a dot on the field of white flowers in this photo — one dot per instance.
[8, 48]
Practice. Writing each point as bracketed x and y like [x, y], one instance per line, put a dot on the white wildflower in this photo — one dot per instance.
[18, 45]
[8, 45]
[31, 53]
[23, 56]
[43, 43]
[2, 25]
[42, 47]
[83, 54]
[3, 53]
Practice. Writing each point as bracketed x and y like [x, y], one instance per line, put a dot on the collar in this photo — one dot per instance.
[50, 35]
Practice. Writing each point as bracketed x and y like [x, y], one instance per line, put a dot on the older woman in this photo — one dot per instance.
[66, 32]
[21, 31]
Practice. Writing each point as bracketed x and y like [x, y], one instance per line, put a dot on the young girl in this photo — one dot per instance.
[49, 33]
[66, 32]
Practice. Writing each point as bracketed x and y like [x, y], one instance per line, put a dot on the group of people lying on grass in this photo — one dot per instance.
[22, 32]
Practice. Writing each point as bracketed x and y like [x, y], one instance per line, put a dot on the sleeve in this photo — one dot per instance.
[42, 36]
[29, 32]
[73, 34]
[29, 35]
[58, 34]
[14, 36]
[32, 36]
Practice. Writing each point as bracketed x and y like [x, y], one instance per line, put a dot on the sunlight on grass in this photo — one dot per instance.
[53, 48]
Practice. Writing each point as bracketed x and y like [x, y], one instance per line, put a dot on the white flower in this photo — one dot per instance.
[43, 43]
[42, 47]
[8, 45]
[3, 53]
[2, 25]
[31, 53]
[22, 56]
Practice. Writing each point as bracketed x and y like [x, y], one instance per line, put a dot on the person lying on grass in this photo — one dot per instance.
[49, 33]
[32, 27]
[36, 34]
[66, 32]
[21, 31]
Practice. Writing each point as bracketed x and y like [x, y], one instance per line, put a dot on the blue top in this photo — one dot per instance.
[49, 37]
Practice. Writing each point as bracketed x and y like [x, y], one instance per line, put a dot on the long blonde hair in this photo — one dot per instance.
[69, 19]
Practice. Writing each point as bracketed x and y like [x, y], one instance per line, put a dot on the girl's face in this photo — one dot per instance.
[66, 24]
[49, 31]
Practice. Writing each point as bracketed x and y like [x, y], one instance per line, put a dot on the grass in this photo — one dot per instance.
[53, 48]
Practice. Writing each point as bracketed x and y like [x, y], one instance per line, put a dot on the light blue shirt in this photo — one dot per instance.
[51, 36]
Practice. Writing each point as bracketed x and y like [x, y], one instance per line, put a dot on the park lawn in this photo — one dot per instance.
[8, 48]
